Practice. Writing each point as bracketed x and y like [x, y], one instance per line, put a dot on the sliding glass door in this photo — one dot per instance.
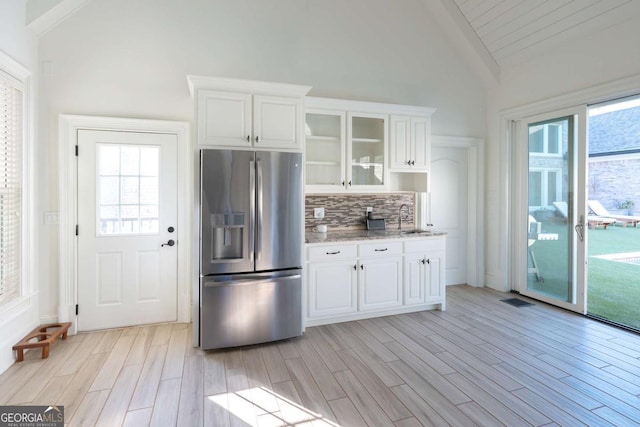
[551, 231]
[614, 195]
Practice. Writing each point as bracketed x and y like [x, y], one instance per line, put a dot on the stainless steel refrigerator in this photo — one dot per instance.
[251, 217]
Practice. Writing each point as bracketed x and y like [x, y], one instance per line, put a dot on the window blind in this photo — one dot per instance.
[10, 188]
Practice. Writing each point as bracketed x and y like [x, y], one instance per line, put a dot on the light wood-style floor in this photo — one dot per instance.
[482, 362]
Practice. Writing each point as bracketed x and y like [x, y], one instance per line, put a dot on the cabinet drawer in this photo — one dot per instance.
[380, 249]
[424, 245]
[331, 252]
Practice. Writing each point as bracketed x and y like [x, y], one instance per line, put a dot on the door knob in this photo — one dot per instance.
[171, 229]
[169, 243]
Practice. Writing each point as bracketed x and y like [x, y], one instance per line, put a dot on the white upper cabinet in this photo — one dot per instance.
[367, 151]
[224, 118]
[410, 143]
[239, 114]
[277, 122]
[353, 145]
[325, 149]
[346, 145]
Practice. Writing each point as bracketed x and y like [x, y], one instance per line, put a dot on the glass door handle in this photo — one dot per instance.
[580, 228]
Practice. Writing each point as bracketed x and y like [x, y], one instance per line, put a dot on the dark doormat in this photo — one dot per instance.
[516, 302]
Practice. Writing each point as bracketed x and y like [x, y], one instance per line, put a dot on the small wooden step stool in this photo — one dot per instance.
[44, 338]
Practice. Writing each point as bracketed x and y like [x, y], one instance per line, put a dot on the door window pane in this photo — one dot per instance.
[127, 188]
[109, 190]
[129, 160]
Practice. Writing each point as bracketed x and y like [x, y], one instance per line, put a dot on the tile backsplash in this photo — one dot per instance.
[349, 210]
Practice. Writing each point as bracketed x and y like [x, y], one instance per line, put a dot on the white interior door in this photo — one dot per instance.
[449, 191]
[127, 235]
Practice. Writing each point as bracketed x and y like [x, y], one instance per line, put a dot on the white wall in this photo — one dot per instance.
[15, 39]
[573, 72]
[19, 44]
[36, 8]
[124, 58]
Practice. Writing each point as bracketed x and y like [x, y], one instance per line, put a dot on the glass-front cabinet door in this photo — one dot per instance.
[325, 150]
[367, 150]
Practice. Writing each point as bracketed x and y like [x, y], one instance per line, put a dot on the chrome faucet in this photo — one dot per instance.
[400, 215]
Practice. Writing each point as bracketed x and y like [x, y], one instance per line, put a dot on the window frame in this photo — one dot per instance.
[545, 142]
[21, 78]
[544, 183]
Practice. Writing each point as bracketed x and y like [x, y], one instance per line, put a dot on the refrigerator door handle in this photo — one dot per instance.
[252, 207]
[222, 283]
[259, 213]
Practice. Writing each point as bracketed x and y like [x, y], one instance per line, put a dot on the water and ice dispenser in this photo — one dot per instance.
[227, 232]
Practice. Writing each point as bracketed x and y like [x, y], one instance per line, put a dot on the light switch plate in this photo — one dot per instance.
[318, 212]
[51, 218]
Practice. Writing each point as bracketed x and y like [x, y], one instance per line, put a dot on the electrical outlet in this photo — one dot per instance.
[318, 212]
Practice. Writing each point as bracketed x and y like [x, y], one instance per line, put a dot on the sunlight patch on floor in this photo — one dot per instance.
[262, 407]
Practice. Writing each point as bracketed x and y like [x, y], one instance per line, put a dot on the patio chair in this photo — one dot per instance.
[596, 207]
[534, 234]
[593, 221]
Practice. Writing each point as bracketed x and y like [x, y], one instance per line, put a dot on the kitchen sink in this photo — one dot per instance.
[414, 231]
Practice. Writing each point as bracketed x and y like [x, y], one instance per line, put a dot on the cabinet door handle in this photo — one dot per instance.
[361, 266]
[381, 250]
[422, 260]
[343, 183]
[428, 261]
[409, 162]
[355, 267]
[248, 138]
[333, 253]
[257, 139]
[413, 162]
[349, 183]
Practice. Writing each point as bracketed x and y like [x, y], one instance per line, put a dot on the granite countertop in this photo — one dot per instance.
[352, 235]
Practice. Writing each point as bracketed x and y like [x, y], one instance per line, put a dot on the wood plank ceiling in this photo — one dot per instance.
[517, 28]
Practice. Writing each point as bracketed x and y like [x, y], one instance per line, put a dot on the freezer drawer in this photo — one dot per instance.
[238, 310]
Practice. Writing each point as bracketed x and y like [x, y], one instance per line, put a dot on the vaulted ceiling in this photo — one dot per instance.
[492, 33]
[516, 29]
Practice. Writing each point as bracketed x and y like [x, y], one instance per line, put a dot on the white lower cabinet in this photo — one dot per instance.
[424, 263]
[380, 283]
[434, 275]
[414, 279]
[422, 278]
[360, 280]
[332, 288]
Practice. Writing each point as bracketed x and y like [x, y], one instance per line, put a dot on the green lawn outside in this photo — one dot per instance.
[613, 287]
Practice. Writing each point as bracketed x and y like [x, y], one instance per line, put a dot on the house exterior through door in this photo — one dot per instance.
[127, 231]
